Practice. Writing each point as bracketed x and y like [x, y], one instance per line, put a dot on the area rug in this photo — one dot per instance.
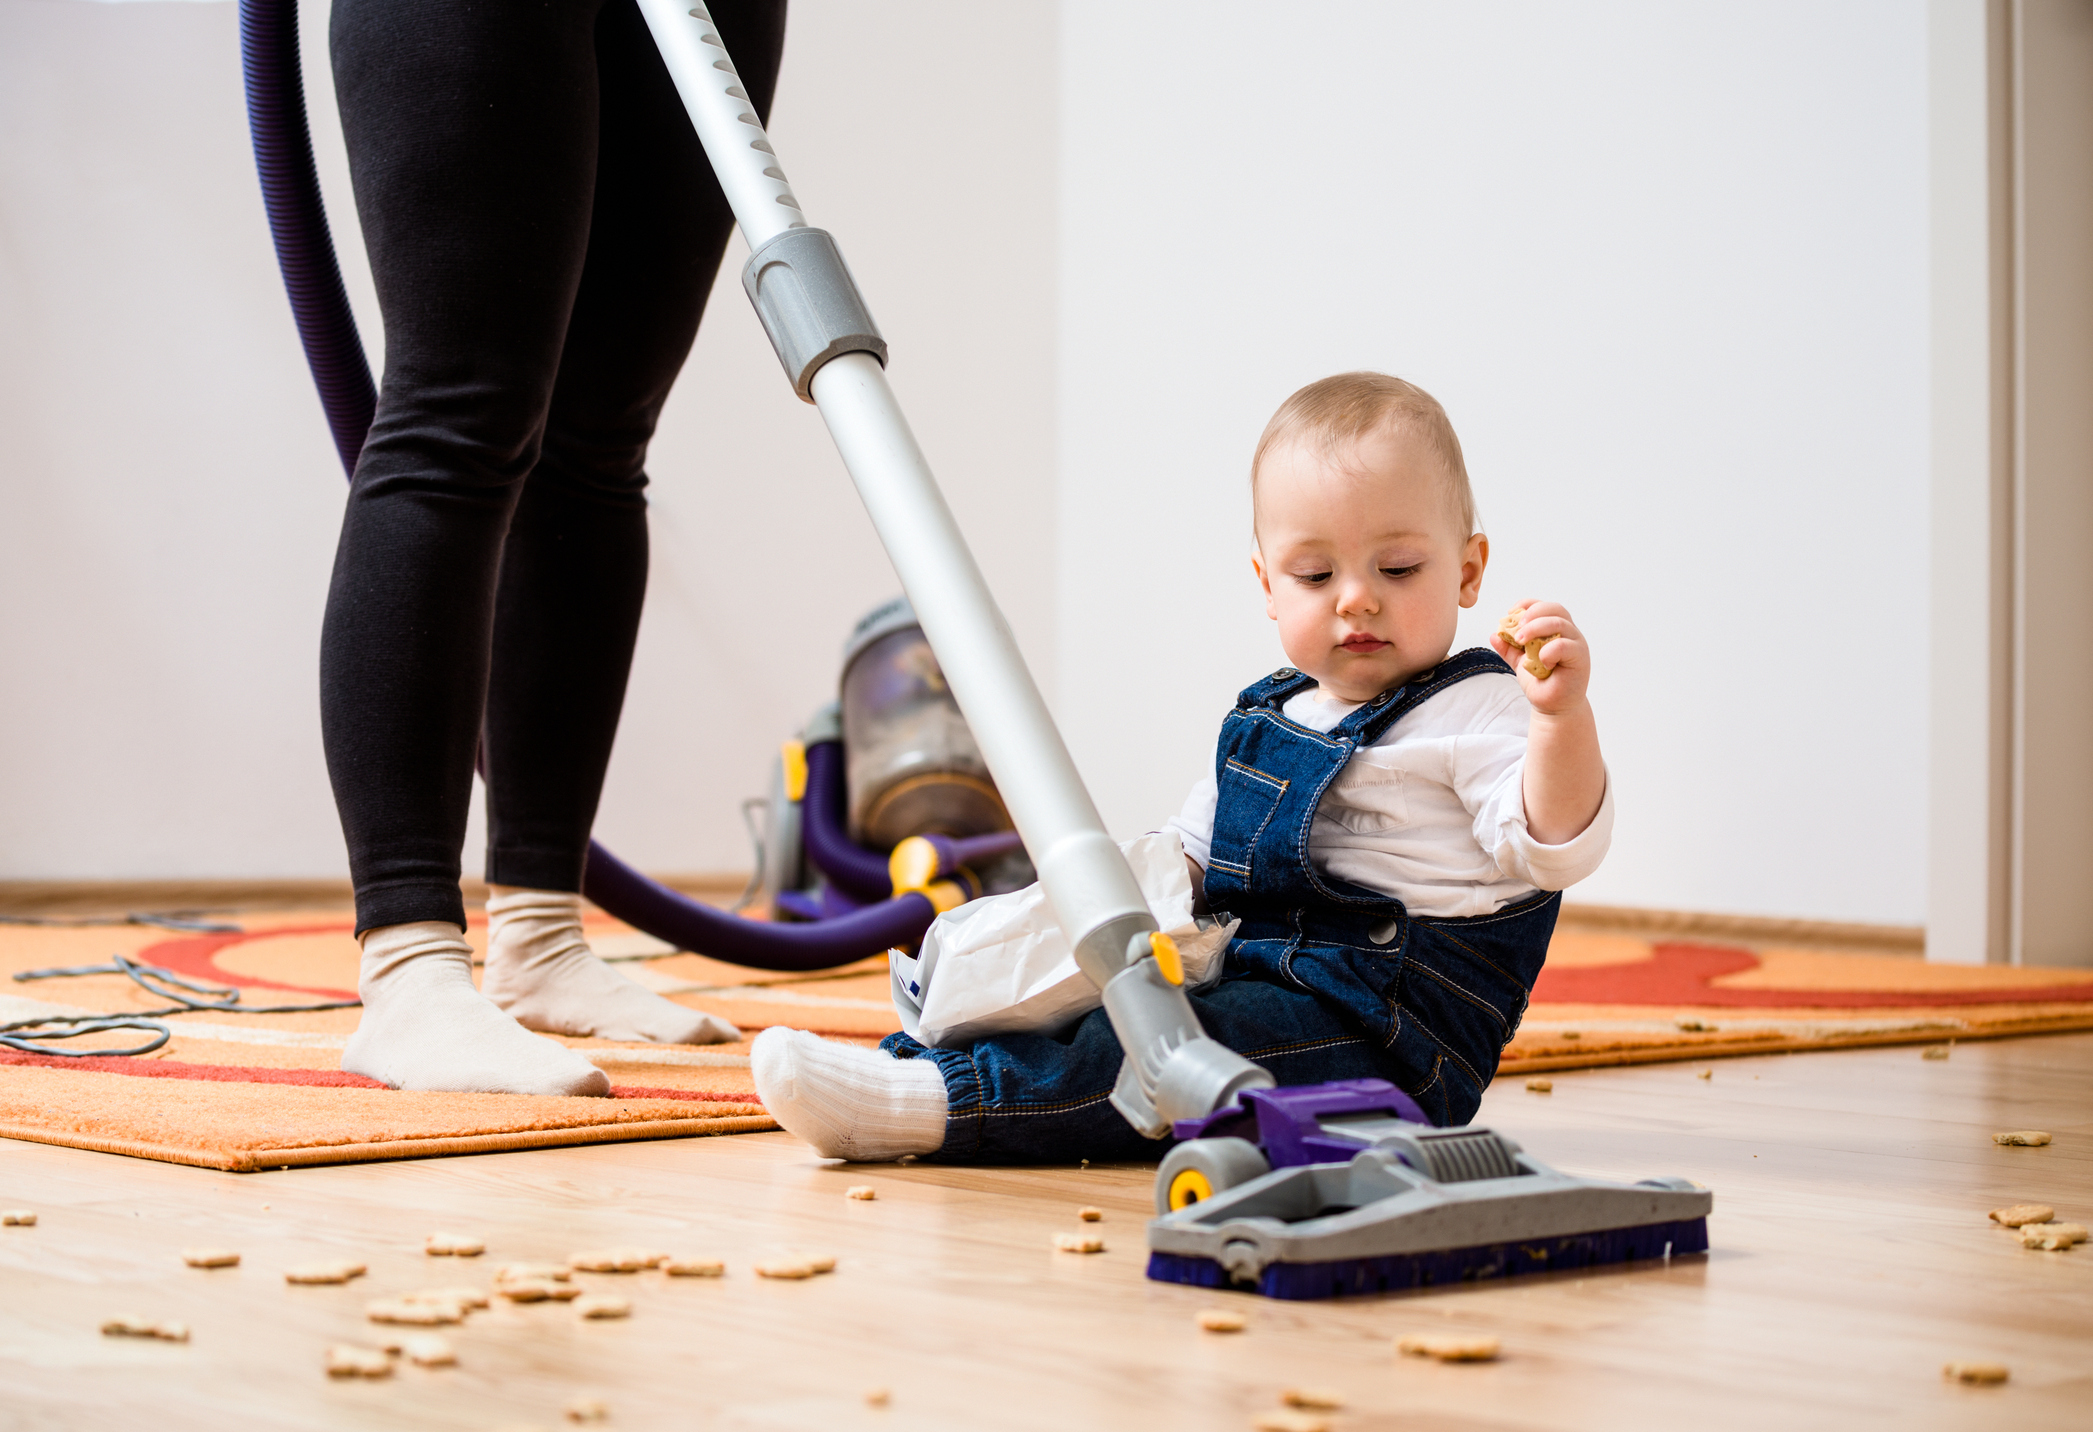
[262, 1091]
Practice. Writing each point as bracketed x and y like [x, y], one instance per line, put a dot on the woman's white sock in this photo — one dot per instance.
[541, 970]
[425, 1027]
[849, 1103]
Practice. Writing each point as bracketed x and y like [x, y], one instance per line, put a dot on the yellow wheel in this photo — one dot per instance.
[1188, 1188]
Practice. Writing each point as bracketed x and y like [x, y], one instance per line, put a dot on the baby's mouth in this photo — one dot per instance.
[1360, 644]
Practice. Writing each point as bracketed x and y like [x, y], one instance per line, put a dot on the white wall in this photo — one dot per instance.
[170, 497]
[1665, 265]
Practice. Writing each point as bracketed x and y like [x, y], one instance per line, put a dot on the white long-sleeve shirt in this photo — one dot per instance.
[1434, 812]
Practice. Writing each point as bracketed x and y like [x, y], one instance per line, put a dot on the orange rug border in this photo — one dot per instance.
[267, 1160]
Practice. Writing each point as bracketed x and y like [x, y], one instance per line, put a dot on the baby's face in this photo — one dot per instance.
[1363, 562]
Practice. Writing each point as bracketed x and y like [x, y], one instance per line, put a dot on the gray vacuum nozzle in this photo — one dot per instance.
[809, 304]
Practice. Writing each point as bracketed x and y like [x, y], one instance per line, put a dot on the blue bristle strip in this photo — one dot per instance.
[1345, 1276]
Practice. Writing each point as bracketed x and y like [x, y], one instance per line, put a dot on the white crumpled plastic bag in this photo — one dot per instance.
[1001, 964]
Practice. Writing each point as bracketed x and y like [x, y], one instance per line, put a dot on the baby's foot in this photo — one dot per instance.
[541, 970]
[849, 1103]
[425, 1027]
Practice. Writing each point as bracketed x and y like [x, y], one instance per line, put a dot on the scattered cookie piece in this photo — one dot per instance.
[531, 1290]
[602, 1305]
[1079, 1242]
[1705, 1074]
[2013, 1215]
[694, 1268]
[1315, 1399]
[1222, 1320]
[616, 1260]
[1091, 1215]
[210, 1258]
[789, 1267]
[1695, 1026]
[344, 1360]
[399, 1310]
[467, 1298]
[339, 1271]
[424, 1349]
[1290, 1419]
[1449, 1348]
[1976, 1372]
[18, 1218]
[587, 1409]
[137, 1327]
[1934, 1051]
[533, 1272]
[1571, 1034]
[862, 1191]
[1540, 1086]
[2052, 1237]
[2021, 1138]
[1509, 630]
[877, 1397]
[453, 1245]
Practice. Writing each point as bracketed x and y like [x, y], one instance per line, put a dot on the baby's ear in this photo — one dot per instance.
[1264, 579]
[1474, 558]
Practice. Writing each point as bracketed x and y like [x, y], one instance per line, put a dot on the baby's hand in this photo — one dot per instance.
[1564, 659]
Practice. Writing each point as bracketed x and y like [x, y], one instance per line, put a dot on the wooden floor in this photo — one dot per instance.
[1851, 1259]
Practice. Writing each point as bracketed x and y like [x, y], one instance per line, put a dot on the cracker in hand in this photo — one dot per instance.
[1509, 630]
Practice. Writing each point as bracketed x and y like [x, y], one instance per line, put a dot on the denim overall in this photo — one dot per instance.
[1325, 980]
[1440, 998]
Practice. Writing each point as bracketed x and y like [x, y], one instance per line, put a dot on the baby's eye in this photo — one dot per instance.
[1311, 579]
[1400, 571]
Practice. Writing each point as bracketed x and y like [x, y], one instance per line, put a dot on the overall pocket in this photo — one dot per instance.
[1244, 804]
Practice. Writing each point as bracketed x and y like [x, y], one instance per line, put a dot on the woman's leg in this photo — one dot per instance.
[574, 569]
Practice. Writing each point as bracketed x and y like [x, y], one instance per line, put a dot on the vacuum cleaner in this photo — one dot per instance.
[1303, 1192]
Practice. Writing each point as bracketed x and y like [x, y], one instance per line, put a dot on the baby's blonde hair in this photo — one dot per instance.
[1346, 407]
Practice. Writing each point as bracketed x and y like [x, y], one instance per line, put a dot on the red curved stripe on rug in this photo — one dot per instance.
[196, 958]
[1680, 974]
[322, 1078]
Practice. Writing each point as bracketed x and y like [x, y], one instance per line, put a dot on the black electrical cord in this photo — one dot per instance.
[220, 999]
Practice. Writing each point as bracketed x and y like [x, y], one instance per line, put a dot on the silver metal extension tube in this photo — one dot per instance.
[834, 357]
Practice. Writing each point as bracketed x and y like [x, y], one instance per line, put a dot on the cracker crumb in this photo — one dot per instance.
[587, 1409]
[424, 1349]
[533, 1272]
[1695, 1026]
[136, 1327]
[1290, 1419]
[2052, 1237]
[453, 1245]
[1079, 1242]
[1705, 1074]
[1091, 1215]
[796, 1265]
[1540, 1086]
[616, 1260]
[1448, 1347]
[1934, 1051]
[535, 1290]
[877, 1397]
[399, 1310]
[210, 1258]
[347, 1360]
[1222, 1320]
[864, 1192]
[18, 1218]
[694, 1268]
[602, 1305]
[340, 1270]
[1572, 1034]
[2013, 1215]
[2022, 1138]
[1975, 1372]
[1317, 1399]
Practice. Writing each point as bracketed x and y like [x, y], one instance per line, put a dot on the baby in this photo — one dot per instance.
[1391, 823]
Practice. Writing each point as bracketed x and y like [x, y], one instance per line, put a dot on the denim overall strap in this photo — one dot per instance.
[1270, 774]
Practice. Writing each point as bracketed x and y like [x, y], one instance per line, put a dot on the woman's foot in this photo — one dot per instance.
[849, 1103]
[541, 970]
[425, 1027]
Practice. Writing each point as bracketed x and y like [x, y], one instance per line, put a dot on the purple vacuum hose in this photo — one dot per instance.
[334, 352]
[857, 871]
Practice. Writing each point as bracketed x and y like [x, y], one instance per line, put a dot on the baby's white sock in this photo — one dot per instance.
[541, 970]
[849, 1103]
[425, 1027]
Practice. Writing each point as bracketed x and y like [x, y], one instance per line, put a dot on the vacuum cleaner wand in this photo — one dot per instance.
[834, 356]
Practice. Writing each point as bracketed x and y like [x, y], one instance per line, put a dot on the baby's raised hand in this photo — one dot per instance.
[1564, 659]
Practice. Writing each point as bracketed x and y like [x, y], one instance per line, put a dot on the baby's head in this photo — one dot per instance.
[1366, 533]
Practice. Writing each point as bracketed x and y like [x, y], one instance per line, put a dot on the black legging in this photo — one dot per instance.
[544, 230]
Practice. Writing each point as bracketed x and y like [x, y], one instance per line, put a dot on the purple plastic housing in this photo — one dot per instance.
[1287, 1123]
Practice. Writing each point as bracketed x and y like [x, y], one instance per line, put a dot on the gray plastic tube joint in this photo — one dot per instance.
[1173, 1070]
[809, 305]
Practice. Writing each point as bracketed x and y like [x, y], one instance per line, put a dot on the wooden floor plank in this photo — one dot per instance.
[1852, 1258]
